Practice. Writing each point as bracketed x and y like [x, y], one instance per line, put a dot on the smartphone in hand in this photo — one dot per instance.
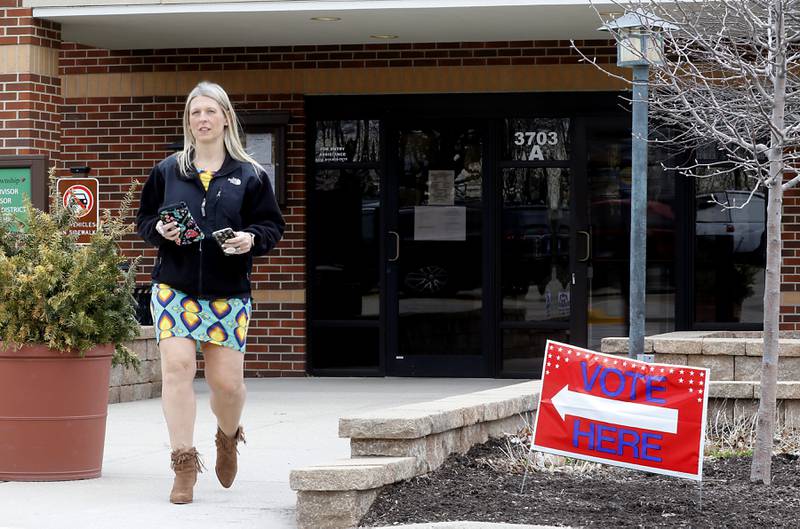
[223, 235]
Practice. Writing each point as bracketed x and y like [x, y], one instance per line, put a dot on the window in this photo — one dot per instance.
[730, 250]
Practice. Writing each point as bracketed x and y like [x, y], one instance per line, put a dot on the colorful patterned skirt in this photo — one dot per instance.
[219, 321]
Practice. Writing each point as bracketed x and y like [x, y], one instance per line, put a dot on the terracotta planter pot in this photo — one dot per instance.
[53, 409]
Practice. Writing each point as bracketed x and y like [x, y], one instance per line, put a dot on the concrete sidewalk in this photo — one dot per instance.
[289, 423]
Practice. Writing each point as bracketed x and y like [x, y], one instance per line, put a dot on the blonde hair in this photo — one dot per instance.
[233, 144]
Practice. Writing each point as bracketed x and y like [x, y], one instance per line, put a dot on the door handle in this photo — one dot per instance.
[588, 246]
[396, 246]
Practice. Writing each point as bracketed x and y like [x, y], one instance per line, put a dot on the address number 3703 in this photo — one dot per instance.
[542, 137]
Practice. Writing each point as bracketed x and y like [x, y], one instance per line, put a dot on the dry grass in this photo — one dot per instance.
[726, 436]
[733, 436]
[519, 458]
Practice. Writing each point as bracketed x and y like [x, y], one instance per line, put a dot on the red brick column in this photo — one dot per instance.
[30, 86]
[790, 272]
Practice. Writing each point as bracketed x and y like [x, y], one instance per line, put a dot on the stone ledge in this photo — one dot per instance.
[419, 420]
[786, 390]
[786, 347]
[677, 345]
[703, 342]
[619, 345]
[730, 390]
[333, 509]
[363, 473]
[127, 385]
[402, 442]
[431, 451]
[722, 346]
[731, 356]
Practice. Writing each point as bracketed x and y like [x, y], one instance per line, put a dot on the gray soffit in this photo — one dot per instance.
[236, 24]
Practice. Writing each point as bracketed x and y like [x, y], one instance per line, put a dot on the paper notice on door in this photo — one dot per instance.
[437, 223]
[259, 146]
[441, 191]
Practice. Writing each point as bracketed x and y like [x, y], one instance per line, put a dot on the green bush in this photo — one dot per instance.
[62, 294]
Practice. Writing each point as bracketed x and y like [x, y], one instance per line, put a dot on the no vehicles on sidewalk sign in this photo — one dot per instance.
[80, 194]
[618, 411]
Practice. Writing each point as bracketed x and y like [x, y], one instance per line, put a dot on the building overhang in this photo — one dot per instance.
[147, 24]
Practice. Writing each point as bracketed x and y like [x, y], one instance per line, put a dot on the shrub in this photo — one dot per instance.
[57, 292]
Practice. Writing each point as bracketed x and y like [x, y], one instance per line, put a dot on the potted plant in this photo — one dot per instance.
[65, 310]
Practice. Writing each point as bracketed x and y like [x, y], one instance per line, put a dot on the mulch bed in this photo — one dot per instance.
[472, 488]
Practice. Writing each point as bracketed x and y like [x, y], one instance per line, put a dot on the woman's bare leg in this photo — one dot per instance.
[178, 368]
[224, 371]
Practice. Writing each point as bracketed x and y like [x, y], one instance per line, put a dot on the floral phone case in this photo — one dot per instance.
[179, 213]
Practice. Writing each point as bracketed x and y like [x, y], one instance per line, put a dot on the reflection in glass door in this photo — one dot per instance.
[436, 250]
[609, 187]
[457, 247]
[729, 251]
[344, 221]
[536, 223]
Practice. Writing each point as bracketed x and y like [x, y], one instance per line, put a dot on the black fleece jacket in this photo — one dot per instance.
[238, 198]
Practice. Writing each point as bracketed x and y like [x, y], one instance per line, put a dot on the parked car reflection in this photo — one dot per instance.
[611, 223]
[744, 228]
[441, 267]
[445, 267]
[535, 239]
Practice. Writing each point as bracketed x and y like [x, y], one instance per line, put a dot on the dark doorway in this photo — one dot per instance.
[454, 235]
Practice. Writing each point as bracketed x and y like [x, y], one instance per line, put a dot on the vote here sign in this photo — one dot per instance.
[615, 410]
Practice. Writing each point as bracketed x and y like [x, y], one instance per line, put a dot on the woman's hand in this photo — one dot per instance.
[169, 231]
[241, 243]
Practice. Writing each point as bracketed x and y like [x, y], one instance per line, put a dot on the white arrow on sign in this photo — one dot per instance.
[631, 414]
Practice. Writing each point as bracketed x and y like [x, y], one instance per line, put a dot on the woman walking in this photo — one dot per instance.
[209, 209]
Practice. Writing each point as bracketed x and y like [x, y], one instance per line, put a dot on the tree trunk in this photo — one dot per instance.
[760, 470]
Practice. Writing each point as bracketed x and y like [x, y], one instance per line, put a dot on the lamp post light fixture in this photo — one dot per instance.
[640, 43]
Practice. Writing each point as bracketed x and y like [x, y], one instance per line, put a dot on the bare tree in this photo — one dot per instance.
[728, 79]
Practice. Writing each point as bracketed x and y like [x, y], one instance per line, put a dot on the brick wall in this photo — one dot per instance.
[30, 88]
[19, 27]
[790, 271]
[122, 137]
[76, 59]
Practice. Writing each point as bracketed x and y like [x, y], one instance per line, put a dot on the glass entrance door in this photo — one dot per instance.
[608, 177]
[436, 249]
[542, 283]
[457, 246]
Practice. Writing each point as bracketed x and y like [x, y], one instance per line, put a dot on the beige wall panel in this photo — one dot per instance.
[11, 57]
[351, 81]
[137, 86]
[186, 81]
[148, 85]
[169, 83]
[24, 58]
[790, 298]
[118, 84]
[279, 296]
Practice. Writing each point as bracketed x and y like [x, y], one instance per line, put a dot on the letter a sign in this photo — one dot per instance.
[618, 411]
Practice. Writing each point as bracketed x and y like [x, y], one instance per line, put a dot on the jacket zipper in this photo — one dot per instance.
[200, 279]
[200, 244]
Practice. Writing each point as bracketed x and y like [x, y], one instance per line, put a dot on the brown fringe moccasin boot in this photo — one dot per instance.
[227, 456]
[186, 464]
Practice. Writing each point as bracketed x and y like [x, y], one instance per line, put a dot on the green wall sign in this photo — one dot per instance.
[15, 183]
